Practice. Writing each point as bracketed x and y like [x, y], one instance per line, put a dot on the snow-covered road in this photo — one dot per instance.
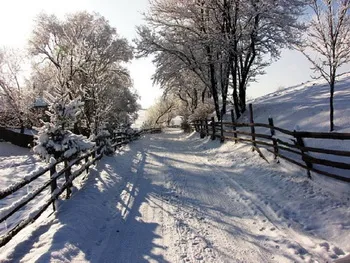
[173, 197]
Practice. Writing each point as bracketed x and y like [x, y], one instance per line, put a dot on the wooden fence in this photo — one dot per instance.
[57, 170]
[16, 138]
[284, 144]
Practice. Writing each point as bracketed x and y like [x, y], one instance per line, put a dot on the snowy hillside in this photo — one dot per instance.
[306, 105]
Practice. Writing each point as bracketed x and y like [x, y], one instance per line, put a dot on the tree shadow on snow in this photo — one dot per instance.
[100, 222]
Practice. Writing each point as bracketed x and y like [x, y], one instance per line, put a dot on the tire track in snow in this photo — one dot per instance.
[286, 236]
[192, 221]
[191, 242]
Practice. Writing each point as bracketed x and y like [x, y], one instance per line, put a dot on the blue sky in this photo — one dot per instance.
[16, 22]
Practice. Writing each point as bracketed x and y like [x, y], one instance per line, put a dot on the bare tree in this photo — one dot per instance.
[328, 37]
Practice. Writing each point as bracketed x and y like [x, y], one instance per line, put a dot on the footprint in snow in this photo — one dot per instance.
[338, 251]
[98, 243]
[103, 228]
[325, 245]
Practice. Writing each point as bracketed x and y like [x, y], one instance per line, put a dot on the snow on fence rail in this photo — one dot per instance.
[90, 158]
[287, 145]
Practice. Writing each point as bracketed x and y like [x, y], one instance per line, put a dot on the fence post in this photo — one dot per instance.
[206, 127]
[98, 147]
[233, 125]
[272, 129]
[67, 174]
[87, 167]
[252, 128]
[213, 128]
[53, 184]
[94, 155]
[202, 131]
[101, 153]
[300, 142]
[222, 138]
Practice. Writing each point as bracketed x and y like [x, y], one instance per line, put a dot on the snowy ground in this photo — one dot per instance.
[173, 197]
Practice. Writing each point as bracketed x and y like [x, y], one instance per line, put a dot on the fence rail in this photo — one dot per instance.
[89, 157]
[290, 146]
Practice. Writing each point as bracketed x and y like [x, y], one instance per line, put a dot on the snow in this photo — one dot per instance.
[16, 165]
[173, 197]
[306, 106]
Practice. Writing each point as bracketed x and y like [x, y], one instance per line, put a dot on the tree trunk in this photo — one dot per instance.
[331, 110]
[234, 93]
[213, 84]
[242, 96]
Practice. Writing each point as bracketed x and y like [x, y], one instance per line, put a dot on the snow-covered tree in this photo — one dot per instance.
[185, 86]
[327, 42]
[160, 113]
[15, 96]
[84, 56]
[103, 138]
[55, 138]
[226, 43]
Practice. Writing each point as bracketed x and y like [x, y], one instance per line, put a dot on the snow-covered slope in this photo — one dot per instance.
[306, 105]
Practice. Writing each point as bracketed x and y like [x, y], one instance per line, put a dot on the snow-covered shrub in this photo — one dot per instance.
[54, 138]
[103, 138]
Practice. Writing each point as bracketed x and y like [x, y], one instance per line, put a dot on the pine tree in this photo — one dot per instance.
[54, 138]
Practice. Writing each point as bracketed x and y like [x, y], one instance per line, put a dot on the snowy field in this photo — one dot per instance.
[173, 197]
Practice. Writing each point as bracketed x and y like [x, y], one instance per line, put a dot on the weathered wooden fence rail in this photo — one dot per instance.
[57, 170]
[283, 143]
